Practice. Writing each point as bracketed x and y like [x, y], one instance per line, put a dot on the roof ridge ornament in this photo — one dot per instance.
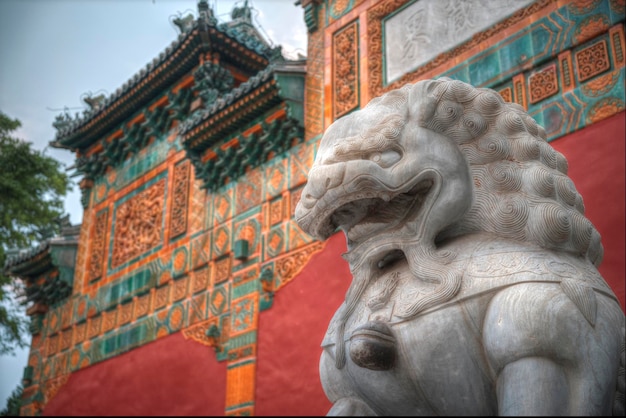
[243, 13]
[212, 81]
[184, 24]
[205, 13]
[94, 102]
[62, 120]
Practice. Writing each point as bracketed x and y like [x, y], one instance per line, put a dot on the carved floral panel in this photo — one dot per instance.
[592, 60]
[96, 259]
[543, 84]
[138, 224]
[345, 70]
[180, 199]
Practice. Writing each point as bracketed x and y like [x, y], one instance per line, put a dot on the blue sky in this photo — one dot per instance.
[52, 52]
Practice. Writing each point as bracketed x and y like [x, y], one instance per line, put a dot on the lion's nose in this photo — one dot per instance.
[321, 179]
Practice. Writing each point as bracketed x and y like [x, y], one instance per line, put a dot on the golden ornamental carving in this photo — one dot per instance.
[507, 94]
[138, 224]
[314, 83]
[590, 28]
[345, 70]
[601, 85]
[592, 60]
[292, 264]
[209, 333]
[543, 84]
[180, 199]
[276, 212]
[52, 386]
[96, 259]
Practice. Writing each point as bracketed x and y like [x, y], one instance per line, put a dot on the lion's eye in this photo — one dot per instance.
[386, 158]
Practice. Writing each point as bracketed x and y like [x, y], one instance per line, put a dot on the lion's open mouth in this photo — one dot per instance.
[362, 218]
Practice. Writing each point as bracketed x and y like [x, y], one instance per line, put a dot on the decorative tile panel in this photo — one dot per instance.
[249, 190]
[590, 27]
[223, 206]
[338, 8]
[275, 178]
[300, 162]
[602, 85]
[134, 167]
[143, 305]
[161, 297]
[180, 263]
[592, 60]
[198, 309]
[274, 242]
[200, 280]
[221, 271]
[345, 70]
[248, 228]
[199, 209]
[243, 314]
[109, 320]
[180, 199]
[519, 91]
[605, 108]
[543, 84]
[219, 300]
[96, 259]
[221, 240]
[200, 250]
[507, 94]
[180, 289]
[295, 198]
[617, 43]
[65, 340]
[80, 333]
[276, 211]
[125, 313]
[94, 327]
[314, 82]
[567, 71]
[176, 317]
[138, 224]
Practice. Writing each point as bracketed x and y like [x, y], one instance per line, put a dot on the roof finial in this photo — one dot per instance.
[244, 13]
[206, 13]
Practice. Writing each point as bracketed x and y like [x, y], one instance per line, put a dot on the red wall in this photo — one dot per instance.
[291, 331]
[596, 166]
[170, 376]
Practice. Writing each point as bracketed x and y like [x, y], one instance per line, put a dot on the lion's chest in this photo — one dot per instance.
[434, 354]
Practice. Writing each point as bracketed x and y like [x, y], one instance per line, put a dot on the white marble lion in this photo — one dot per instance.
[475, 289]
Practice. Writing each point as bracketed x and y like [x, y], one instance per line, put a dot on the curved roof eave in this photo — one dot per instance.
[180, 57]
[242, 104]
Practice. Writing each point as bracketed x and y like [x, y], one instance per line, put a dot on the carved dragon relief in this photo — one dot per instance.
[475, 287]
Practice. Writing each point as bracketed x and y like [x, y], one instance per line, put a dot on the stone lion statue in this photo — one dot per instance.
[475, 289]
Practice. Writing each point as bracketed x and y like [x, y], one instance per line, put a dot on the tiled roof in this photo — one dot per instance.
[25, 255]
[203, 35]
[263, 89]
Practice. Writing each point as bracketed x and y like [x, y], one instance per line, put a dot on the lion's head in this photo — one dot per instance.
[439, 159]
[424, 165]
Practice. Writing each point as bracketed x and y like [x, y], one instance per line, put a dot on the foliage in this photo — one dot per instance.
[14, 402]
[32, 187]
